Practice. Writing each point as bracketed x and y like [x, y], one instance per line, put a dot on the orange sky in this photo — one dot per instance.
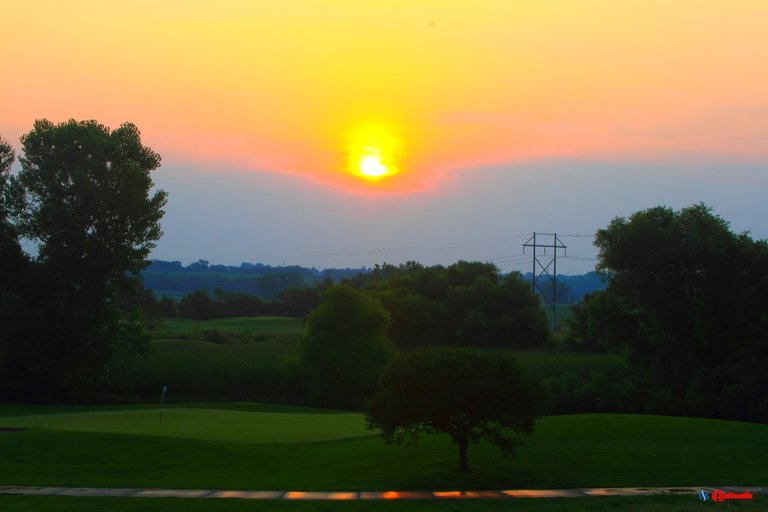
[284, 85]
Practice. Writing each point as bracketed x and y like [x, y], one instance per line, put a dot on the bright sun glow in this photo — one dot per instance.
[371, 167]
[373, 151]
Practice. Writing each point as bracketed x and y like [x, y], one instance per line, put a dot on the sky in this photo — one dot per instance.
[345, 133]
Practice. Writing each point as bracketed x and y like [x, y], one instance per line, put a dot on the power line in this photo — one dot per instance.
[579, 258]
[429, 247]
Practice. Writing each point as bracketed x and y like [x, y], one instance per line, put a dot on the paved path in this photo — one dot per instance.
[370, 495]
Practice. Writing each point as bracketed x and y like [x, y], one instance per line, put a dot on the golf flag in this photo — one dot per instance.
[165, 390]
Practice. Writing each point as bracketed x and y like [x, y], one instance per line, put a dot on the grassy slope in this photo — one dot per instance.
[566, 451]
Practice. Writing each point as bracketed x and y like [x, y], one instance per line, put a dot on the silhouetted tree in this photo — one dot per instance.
[84, 195]
[464, 304]
[469, 394]
[696, 292]
[197, 305]
[345, 347]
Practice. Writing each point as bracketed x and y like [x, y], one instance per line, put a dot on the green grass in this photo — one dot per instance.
[257, 446]
[259, 325]
[331, 451]
[203, 424]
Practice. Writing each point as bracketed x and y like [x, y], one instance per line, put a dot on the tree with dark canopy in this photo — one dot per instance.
[696, 294]
[467, 393]
[345, 347]
[464, 304]
[84, 195]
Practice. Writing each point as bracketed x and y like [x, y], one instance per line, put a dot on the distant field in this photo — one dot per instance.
[260, 325]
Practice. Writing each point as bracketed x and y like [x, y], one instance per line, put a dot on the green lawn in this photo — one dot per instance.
[240, 449]
[235, 426]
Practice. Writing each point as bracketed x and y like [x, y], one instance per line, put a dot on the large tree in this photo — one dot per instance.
[697, 294]
[16, 281]
[464, 304]
[84, 194]
[469, 394]
[345, 347]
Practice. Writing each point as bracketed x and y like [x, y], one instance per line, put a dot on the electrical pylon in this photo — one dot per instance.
[541, 266]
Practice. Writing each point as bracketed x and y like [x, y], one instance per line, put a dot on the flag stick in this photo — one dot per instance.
[162, 401]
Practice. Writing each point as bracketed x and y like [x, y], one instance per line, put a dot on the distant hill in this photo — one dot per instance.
[174, 280]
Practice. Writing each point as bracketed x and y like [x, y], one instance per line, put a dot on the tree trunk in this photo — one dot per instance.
[463, 459]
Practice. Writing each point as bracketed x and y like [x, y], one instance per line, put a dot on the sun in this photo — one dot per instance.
[371, 167]
[373, 151]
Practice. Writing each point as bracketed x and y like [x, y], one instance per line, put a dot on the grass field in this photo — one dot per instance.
[253, 446]
[260, 325]
[243, 447]
[222, 359]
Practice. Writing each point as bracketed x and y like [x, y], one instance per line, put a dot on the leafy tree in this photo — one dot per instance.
[465, 304]
[84, 194]
[345, 347]
[16, 280]
[168, 307]
[696, 292]
[197, 305]
[298, 301]
[602, 322]
[469, 394]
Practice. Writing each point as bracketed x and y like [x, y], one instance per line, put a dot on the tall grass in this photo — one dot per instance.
[253, 359]
[198, 370]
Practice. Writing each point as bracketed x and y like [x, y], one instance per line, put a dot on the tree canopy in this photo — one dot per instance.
[466, 393]
[345, 347]
[696, 293]
[84, 194]
[464, 304]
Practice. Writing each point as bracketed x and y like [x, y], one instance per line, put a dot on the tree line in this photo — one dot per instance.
[264, 281]
[296, 302]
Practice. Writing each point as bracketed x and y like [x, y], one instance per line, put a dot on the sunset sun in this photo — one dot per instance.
[373, 151]
[372, 168]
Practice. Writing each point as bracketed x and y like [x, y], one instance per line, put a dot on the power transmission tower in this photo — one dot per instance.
[542, 264]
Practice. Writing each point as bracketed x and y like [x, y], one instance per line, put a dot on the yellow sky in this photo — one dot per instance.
[284, 85]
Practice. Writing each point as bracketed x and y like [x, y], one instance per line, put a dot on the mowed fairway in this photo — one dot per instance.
[203, 424]
[238, 446]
